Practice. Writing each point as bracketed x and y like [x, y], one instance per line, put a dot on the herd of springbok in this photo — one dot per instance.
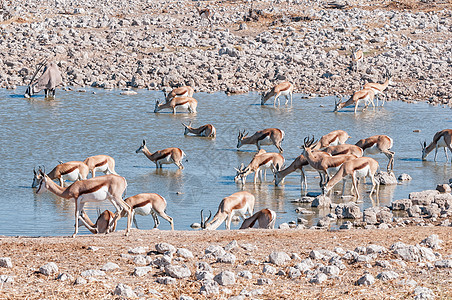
[330, 156]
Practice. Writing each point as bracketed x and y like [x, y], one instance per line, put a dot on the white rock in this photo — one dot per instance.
[264, 281]
[422, 293]
[166, 280]
[227, 258]
[210, 287]
[185, 253]
[279, 258]
[138, 250]
[319, 278]
[49, 269]
[141, 271]
[5, 262]
[367, 279]
[164, 247]
[268, 269]
[203, 275]
[178, 272]
[387, 275]
[92, 273]
[109, 267]
[225, 278]
[245, 274]
[124, 291]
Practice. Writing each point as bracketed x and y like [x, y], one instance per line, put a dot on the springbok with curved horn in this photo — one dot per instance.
[357, 57]
[107, 187]
[188, 103]
[260, 163]
[48, 81]
[237, 204]
[102, 224]
[100, 163]
[379, 88]
[207, 130]
[359, 167]
[71, 170]
[323, 162]
[336, 137]
[366, 95]
[265, 218]
[148, 204]
[269, 136]
[441, 139]
[379, 144]
[282, 89]
[166, 156]
[183, 91]
[296, 165]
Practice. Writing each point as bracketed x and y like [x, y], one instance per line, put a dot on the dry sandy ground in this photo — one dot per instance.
[73, 256]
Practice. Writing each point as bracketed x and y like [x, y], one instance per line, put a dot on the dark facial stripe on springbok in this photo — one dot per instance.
[69, 170]
[100, 164]
[93, 189]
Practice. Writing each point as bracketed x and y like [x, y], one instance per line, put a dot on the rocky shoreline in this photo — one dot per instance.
[155, 44]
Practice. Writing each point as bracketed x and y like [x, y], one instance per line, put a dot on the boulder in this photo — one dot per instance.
[177, 271]
[5, 262]
[387, 275]
[210, 287]
[225, 278]
[367, 279]
[401, 204]
[321, 201]
[443, 188]
[279, 258]
[164, 247]
[385, 178]
[125, 291]
[423, 198]
[348, 211]
[49, 269]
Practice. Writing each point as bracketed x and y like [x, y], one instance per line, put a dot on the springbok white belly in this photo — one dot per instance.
[335, 142]
[441, 143]
[239, 212]
[103, 168]
[285, 93]
[97, 196]
[166, 160]
[143, 210]
[362, 172]
[265, 141]
[184, 106]
[372, 150]
[72, 176]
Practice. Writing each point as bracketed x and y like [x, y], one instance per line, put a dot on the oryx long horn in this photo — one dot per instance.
[40, 65]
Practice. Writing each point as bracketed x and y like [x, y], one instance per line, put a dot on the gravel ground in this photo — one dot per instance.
[155, 44]
[81, 260]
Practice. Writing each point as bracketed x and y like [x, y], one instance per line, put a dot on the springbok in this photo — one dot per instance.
[205, 130]
[297, 164]
[148, 204]
[102, 224]
[379, 88]
[188, 103]
[357, 56]
[265, 218]
[344, 149]
[282, 89]
[441, 139]
[100, 163]
[366, 95]
[71, 170]
[183, 91]
[378, 144]
[260, 163]
[205, 13]
[323, 162]
[98, 189]
[336, 137]
[359, 167]
[269, 136]
[166, 156]
[49, 80]
[237, 204]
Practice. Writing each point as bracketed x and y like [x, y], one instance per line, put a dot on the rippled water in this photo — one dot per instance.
[77, 125]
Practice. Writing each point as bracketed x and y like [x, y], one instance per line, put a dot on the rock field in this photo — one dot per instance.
[154, 44]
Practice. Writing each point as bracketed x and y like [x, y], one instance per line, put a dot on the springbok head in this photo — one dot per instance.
[187, 128]
[337, 103]
[143, 146]
[308, 144]
[275, 170]
[41, 180]
[36, 176]
[204, 221]
[30, 91]
[156, 107]
[424, 148]
[241, 136]
[241, 170]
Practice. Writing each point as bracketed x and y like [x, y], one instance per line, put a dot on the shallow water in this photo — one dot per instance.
[77, 125]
